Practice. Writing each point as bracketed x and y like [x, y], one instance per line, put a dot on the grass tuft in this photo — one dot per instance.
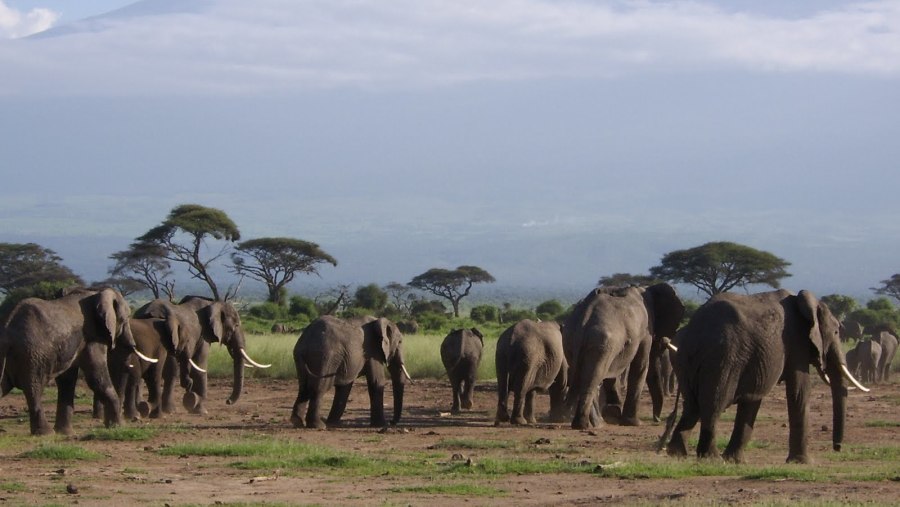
[121, 434]
[62, 452]
[452, 489]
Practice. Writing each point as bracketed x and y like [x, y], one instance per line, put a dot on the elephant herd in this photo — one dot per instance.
[594, 364]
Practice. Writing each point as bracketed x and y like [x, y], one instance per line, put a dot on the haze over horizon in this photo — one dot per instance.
[548, 142]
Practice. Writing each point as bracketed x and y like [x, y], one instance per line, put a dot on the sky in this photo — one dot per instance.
[550, 142]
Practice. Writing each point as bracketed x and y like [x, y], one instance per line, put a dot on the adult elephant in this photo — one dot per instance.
[611, 331]
[332, 352]
[461, 354]
[733, 351]
[868, 354]
[190, 327]
[529, 359]
[43, 340]
[888, 342]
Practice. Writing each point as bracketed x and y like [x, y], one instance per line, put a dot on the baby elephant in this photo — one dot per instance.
[461, 355]
[530, 358]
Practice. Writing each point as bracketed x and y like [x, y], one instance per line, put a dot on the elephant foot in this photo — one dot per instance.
[467, 404]
[334, 423]
[376, 423]
[455, 410]
[143, 409]
[297, 421]
[316, 424]
[676, 451]
[581, 423]
[629, 421]
[733, 457]
[798, 458]
[518, 420]
[612, 414]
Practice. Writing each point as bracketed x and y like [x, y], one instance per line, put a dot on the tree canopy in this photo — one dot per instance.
[721, 266]
[841, 306]
[277, 261]
[370, 297]
[627, 280]
[451, 284]
[197, 223]
[890, 287]
[145, 264]
[24, 265]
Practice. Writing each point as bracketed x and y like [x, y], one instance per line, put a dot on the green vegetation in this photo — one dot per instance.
[452, 489]
[60, 452]
[122, 434]
[882, 424]
[460, 443]
[13, 487]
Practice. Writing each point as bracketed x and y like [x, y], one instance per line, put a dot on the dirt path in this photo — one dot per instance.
[140, 472]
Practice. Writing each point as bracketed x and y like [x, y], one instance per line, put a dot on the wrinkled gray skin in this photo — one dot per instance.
[611, 331]
[852, 361]
[43, 340]
[190, 327]
[127, 370]
[530, 359]
[461, 355]
[735, 349]
[888, 342]
[868, 354]
[332, 352]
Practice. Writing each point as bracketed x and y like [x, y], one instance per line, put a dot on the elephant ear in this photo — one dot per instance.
[172, 326]
[808, 306]
[477, 333]
[667, 308]
[213, 315]
[108, 316]
[386, 333]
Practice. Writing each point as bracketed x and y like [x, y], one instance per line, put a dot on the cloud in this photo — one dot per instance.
[14, 24]
[239, 47]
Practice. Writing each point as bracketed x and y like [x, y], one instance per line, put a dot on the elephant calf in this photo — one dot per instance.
[530, 358]
[461, 355]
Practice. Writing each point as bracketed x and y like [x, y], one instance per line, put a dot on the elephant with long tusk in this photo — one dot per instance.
[736, 348]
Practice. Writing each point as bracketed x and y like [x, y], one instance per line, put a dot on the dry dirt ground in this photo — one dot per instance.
[140, 473]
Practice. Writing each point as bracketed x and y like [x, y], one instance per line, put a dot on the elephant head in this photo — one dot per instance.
[221, 324]
[112, 315]
[384, 341]
[664, 309]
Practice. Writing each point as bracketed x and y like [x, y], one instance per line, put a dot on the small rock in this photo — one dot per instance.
[824, 428]
[71, 489]
[457, 457]
[542, 441]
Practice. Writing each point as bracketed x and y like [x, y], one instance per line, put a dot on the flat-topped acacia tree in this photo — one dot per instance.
[451, 284]
[276, 261]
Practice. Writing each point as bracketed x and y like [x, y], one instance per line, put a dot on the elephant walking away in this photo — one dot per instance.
[332, 352]
[530, 359]
[734, 350]
[190, 327]
[888, 342]
[44, 340]
[868, 354]
[461, 354]
[611, 331]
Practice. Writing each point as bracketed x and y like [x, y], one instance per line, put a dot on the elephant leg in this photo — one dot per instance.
[65, 401]
[376, 402]
[502, 397]
[96, 374]
[199, 380]
[339, 404]
[706, 442]
[167, 377]
[468, 392]
[655, 384]
[609, 401]
[518, 407]
[743, 430]
[797, 387]
[152, 378]
[637, 375]
[690, 414]
[456, 383]
[301, 402]
[315, 392]
[529, 407]
[34, 394]
[558, 398]
[96, 408]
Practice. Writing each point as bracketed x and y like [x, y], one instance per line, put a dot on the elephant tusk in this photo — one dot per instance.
[194, 365]
[853, 380]
[247, 365]
[823, 375]
[145, 358]
[403, 366]
[251, 361]
[671, 347]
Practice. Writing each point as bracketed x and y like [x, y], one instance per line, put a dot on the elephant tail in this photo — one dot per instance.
[670, 424]
[313, 375]
[4, 350]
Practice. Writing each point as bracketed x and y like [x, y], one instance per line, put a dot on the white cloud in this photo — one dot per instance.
[234, 46]
[15, 24]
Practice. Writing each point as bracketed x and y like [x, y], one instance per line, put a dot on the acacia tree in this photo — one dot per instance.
[401, 297]
[276, 261]
[627, 280]
[890, 287]
[28, 264]
[721, 266]
[145, 264]
[451, 284]
[183, 235]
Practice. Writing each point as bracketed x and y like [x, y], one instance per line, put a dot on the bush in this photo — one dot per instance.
[515, 315]
[268, 311]
[483, 314]
[303, 307]
[549, 310]
[429, 306]
[370, 297]
[432, 321]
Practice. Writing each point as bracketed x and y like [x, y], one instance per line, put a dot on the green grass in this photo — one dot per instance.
[60, 452]
[452, 489]
[12, 487]
[882, 424]
[121, 434]
[888, 453]
[461, 443]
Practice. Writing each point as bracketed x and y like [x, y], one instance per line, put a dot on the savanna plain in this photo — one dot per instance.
[249, 454]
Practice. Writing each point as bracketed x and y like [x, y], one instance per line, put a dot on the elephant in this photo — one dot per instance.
[461, 355]
[51, 339]
[868, 354]
[190, 327]
[408, 326]
[608, 332]
[888, 342]
[852, 361]
[332, 352]
[530, 358]
[280, 329]
[734, 350]
[851, 330]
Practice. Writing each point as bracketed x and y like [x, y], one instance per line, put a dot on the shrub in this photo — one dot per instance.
[432, 321]
[303, 307]
[269, 311]
[515, 315]
[549, 310]
[485, 313]
[429, 306]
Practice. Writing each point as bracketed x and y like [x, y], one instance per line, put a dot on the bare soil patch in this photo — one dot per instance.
[140, 472]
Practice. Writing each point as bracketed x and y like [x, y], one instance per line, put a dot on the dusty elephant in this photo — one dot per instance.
[43, 340]
[332, 352]
[611, 331]
[190, 327]
[530, 359]
[733, 351]
[888, 342]
[461, 355]
[868, 355]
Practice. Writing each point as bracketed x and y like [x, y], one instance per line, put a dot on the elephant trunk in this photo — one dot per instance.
[238, 384]
[838, 399]
[398, 383]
